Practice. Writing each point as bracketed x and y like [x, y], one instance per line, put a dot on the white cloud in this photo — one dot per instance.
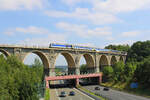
[113, 6]
[85, 14]
[21, 4]
[129, 42]
[83, 30]
[27, 30]
[102, 11]
[130, 34]
[45, 41]
[116, 6]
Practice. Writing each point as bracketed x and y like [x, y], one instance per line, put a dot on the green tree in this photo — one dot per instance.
[118, 47]
[139, 51]
[108, 72]
[118, 71]
[142, 73]
[129, 70]
[18, 81]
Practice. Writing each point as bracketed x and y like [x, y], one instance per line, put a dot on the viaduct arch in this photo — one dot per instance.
[4, 52]
[113, 60]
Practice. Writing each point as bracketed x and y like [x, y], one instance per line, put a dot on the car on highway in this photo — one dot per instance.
[71, 93]
[97, 88]
[63, 94]
[106, 89]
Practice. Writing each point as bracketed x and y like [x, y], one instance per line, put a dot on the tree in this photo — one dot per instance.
[142, 73]
[118, 47]
[118, 71]
[129, 70]
[139, 51]
[18, 81]
[108, 72]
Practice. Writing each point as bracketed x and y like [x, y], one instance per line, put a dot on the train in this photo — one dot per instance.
[57, 45]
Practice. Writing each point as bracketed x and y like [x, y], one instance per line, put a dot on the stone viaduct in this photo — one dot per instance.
[94, 60]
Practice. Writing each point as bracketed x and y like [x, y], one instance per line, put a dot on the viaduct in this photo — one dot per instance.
[94, 60]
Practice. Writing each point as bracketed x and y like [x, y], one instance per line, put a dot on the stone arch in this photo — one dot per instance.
[90, 66]
[89, 60]
[103, 61]
[43, 57]
[121, 59]
[4, 52]
[113, 60]
[70, 61]
[69, 58]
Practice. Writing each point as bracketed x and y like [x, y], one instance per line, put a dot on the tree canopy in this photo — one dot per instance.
[139, 51]
[118, 47]
[18, 81]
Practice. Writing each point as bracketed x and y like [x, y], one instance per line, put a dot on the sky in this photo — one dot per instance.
[96, 23]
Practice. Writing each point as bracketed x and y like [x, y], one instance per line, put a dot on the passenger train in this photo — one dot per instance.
[57, 45]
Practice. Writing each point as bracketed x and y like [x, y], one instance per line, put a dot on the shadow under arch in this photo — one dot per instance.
[89, 68]
[103, 62]
[4, 52]
[42, 56]
[121, 59]
[89, 60]
[113, 60]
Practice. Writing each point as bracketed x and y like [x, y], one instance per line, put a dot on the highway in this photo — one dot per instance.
[113, 94]
[78, 95]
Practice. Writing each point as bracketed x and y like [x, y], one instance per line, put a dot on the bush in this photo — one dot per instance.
[108, 72]
[47, 94]
[118, 74]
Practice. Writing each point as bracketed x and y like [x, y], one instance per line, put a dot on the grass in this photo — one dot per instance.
[47, 94]
[83, 89]
[125, 87]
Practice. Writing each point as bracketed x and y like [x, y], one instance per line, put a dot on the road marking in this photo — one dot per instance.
[83, 94]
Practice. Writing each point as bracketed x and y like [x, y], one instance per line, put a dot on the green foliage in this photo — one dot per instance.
[139, 51]
[143, 72]
[47, 94]
[118, 47]
[118, 71]
[83, 68]
[108, 72]
[129, 70]
[18, 81]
